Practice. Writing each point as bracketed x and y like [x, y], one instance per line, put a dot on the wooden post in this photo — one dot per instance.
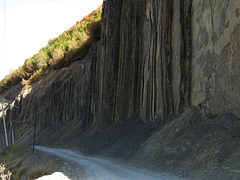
[4, 125]
[34, 133]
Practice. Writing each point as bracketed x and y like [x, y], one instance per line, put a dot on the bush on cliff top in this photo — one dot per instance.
[77, 40]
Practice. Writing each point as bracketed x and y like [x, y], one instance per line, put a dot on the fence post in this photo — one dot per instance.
[4, 125]
[34, 134]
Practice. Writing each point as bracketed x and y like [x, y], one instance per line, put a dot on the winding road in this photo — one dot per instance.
[101, 169]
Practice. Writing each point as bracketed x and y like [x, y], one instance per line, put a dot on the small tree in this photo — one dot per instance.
[3, 175]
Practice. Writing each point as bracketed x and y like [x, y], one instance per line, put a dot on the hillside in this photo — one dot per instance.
[160, 89]
[74, 42]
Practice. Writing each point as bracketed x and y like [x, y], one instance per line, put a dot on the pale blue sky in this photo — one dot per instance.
[31, 23]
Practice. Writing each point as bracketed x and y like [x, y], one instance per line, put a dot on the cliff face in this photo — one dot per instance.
[62, 97]
[215, 56]
[166, 56]
[169, 65]
[148, 69]
[154, 60]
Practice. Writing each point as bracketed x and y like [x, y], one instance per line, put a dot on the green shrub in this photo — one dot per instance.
[16, 148]
[3, 153]
[20, 172]
[94, 30]
[41, 72]
[77, 40]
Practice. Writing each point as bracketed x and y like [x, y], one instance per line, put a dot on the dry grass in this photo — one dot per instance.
[77, 40]
[5, 176]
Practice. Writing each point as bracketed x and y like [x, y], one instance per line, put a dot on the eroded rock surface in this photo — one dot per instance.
[215, 55]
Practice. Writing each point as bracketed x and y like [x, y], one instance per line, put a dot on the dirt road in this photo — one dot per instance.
[101, 169]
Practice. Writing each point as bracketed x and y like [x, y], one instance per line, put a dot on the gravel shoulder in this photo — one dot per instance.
[38, 162]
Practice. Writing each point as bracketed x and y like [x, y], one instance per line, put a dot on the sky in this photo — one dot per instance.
[30, 24]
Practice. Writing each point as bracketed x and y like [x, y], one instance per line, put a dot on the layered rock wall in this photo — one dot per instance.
[62, 97]
[107, 63]
[155, 59]
[146, 68]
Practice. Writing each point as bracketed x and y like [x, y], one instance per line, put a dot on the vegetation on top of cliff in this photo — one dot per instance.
[75, 41]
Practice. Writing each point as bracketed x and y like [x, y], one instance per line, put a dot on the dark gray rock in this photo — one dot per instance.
[154, 59]
[144, 65]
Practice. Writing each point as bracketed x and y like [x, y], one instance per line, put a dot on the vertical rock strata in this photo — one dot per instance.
[107, 65]
[149, 72]
[166, 59]
[62, 97]
[155, 58]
